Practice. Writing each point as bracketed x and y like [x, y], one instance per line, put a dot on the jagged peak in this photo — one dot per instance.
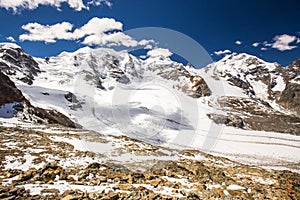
[7, 45]
[242, 56]
[243, 62]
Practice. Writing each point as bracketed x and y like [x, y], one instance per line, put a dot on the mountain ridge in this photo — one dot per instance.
[268, 84]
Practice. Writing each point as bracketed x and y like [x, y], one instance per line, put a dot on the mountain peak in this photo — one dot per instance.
[6, 45]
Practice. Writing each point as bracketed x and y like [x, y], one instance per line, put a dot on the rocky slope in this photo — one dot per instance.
[46, 164]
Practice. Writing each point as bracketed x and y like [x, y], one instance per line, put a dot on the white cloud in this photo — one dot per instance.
[159, 52]
[77, 5]
[267, 44]
[282, 42]
[47, 33]
[145, 42]
[98, 26]
[148, 46]
[222, 52]
[238, 42]
[255, 44]
[114, 39]
[11, 39]
[97, 31]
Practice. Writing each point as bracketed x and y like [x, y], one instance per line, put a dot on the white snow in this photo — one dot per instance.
[7, 45]
[235, 187]
[280, 84]
[296, 80]
[226, 192]
[62, 186]
[82, 145]
[266, 181]
[212, 186]
[14, 163]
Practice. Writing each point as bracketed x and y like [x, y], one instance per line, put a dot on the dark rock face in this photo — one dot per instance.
[193, 85]
[130, 68]
[199, 87]
[257, 115]
[9, 93]
[74, 102]
[51, 117]
[290, 97]
[230, 120]
[242, 84]
[115, 72]
[18, 63]
[71, 97]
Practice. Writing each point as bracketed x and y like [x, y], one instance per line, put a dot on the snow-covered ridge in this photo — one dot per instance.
[6, 45]
[254, 75]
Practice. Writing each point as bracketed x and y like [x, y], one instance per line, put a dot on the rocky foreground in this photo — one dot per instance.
[48, 163]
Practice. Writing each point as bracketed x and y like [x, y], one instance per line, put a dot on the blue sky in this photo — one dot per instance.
[267, 29]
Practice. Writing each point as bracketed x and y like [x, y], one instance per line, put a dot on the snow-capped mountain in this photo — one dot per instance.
[101, 105]
[267, 94]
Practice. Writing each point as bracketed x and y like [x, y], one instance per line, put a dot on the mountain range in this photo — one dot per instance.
[93, 119]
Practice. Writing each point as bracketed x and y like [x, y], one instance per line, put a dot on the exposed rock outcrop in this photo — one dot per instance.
[9, 93]
[257, 115]
[15, 62]
[290, 97]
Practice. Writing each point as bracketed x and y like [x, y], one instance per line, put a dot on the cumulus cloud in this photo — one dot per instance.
[222, 52]
[11, 39]
[97, 26]
[283, 42]
[159, 52]
[255, 44]
[47, 33]
[77, 5]
[238, 42]
[114, 39]
[97, 31]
